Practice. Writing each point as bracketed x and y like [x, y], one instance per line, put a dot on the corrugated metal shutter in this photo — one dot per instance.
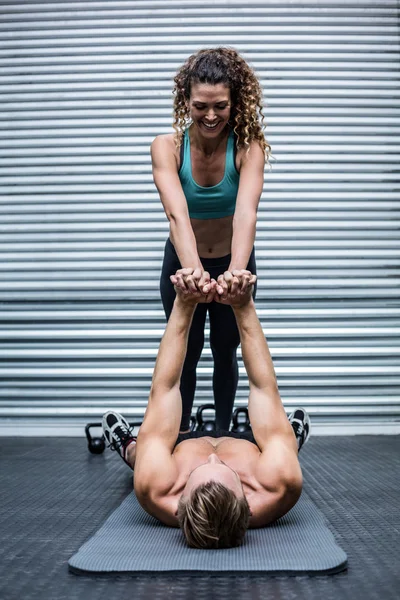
[85, 87]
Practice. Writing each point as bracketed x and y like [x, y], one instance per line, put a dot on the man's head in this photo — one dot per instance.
[213, 511]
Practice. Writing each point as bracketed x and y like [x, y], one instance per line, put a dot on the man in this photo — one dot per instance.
[217, 485]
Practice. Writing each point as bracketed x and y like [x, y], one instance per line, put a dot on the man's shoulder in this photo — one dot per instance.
[268, 506]
[155, 486]
[278, 475]
[155, 468]
[278, 466]
[162, 506]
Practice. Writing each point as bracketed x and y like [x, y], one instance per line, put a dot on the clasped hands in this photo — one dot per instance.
[195, 286]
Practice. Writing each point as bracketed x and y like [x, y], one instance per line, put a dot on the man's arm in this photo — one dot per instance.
[155, 471]
[164, 410]
[266, 411]
[278, 468]
[154, 467]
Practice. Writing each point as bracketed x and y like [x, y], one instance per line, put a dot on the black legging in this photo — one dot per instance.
[224, 339]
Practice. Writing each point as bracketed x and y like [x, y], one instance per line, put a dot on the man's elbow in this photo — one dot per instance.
[142, 489]
[294, 487]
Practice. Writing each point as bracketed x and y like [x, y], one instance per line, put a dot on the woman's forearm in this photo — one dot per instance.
[184, 241]
[244, 233]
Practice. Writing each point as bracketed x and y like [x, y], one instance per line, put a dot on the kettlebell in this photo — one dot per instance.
[244, 424]
[96, 445]
[203, 425]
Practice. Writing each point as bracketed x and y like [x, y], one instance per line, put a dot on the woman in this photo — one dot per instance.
[209, 175]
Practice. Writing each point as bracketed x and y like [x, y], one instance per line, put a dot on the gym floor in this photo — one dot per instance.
[55, 495]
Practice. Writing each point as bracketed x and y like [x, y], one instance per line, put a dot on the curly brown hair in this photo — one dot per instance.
[213, 517]
[226, 66]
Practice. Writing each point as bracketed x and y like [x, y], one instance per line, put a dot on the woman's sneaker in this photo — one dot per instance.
[300, 421]
[118, 433]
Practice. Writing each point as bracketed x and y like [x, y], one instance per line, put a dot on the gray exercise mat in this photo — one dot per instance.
[131, 541]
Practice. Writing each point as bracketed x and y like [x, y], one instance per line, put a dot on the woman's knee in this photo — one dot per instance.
[192, 359]
[224, 350]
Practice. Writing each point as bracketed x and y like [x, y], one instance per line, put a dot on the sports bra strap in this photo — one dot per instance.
[181, 153]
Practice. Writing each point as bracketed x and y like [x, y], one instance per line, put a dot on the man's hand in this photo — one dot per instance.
[194, 286]
[235, 288]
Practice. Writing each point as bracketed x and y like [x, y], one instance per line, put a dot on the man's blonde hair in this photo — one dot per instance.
[213, 517]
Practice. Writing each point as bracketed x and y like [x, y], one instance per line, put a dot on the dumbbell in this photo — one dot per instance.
[241, 421]
[203, 425]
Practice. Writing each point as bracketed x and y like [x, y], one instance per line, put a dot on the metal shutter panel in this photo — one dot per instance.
[85, 87]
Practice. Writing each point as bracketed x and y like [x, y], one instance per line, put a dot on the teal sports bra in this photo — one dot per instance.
[215, 201]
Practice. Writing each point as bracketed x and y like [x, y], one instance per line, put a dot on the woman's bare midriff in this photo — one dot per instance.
[213, 236]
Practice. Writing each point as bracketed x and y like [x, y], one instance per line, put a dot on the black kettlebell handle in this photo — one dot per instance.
[87, 431]
[200, 410]
[242, 410]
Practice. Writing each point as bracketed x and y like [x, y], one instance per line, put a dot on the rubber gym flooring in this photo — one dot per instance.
[55, 494]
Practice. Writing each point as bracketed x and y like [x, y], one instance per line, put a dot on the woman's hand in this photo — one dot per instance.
[235, 288]
[194, 285]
